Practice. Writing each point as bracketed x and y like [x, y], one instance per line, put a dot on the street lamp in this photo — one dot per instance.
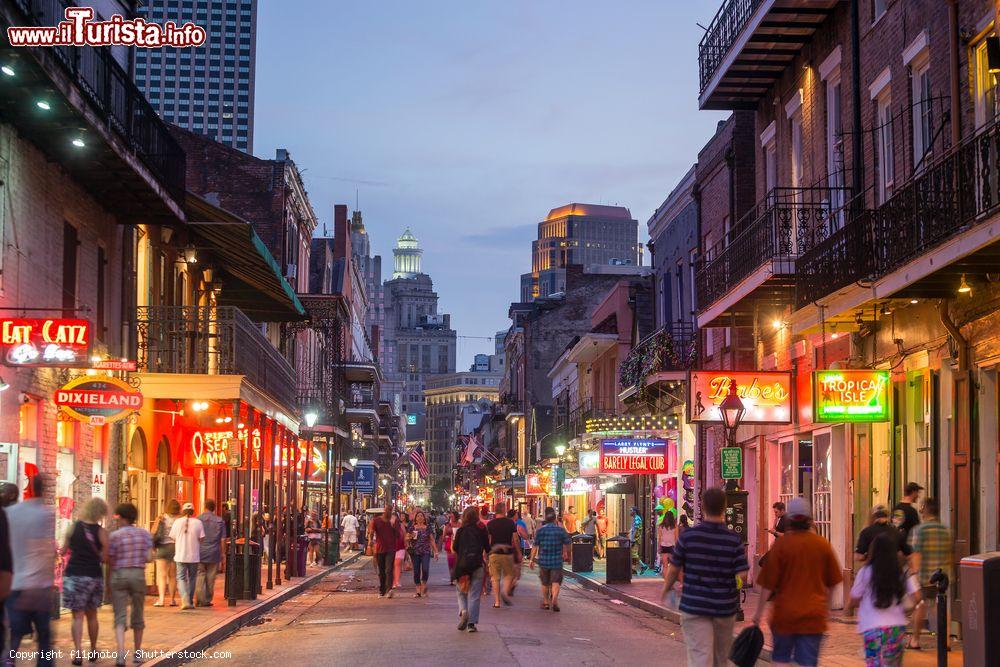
[311, 417]
[560, 450]
[353, 461]
[732, 409]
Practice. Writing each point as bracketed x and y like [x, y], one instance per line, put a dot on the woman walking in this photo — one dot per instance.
[424, 546]
[83, 581]
[166, 569]
[128, 552]
[314, 534]
[454, 523]
[399, 527]
[667, 537]
[471, 545]
[882, 592]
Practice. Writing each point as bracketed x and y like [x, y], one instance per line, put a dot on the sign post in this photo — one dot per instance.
[732, 463]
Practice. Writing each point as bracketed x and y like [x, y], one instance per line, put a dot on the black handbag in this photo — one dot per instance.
[747, 646]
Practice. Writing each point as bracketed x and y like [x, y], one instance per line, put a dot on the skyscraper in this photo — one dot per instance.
[418, 339]
[208, 89]
[584, 234]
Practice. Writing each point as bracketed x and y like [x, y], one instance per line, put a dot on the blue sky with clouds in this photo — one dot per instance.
[468, 120]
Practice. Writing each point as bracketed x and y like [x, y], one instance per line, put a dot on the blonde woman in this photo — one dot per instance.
[83, 580]
[166, 569]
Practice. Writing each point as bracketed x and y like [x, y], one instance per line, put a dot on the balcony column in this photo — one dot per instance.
[279, 512]
[293, 507]
[270, 506]
[326, 518]
[253, 417]
[234, 485]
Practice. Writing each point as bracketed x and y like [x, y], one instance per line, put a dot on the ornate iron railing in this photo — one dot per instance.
[952, 194]
[722, 33]
[117, 100]
[672, 348]
[197, 340]
[361, 396]
[785, 224]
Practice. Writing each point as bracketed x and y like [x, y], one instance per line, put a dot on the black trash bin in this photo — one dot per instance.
[235, 568]
[331, 556]
[619, 560]
[583, 553]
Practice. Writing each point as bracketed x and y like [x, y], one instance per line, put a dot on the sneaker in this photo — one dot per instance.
[464, 623]
[392, 591]
[472, 627]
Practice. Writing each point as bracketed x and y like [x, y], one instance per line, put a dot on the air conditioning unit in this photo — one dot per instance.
[291, 271]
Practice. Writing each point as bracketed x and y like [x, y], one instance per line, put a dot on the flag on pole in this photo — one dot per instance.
[470, 449]
[417, 457]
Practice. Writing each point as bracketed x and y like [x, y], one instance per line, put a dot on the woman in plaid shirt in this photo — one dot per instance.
[128, 552]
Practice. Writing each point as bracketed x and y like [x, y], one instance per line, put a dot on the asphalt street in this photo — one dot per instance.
[342, 621]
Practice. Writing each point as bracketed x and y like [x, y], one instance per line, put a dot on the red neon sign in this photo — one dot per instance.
[210, 449]
[766, 395]
[44, 342]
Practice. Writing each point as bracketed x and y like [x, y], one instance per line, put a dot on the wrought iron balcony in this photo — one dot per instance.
[787, 223]
[114, 98]
[954, 194]
[197, 340]
[672, 348]
[748, 45]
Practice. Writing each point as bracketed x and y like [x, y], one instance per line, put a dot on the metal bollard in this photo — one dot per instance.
[940, 579]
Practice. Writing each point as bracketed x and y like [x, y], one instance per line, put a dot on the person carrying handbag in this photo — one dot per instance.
[83, 581]
[471, 545]
[166, 569]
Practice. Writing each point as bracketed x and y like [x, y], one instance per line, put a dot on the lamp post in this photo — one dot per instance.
[513, 474]
[732, 410]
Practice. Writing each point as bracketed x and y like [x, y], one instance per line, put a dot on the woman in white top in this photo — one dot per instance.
[883, 592]
[667, 538]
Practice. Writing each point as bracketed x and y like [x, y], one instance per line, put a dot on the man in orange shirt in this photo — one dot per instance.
[801, 570]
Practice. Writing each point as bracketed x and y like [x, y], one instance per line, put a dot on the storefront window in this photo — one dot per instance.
[822, 498]
[787, 470]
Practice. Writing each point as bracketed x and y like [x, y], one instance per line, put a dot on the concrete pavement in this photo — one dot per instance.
[341, 621]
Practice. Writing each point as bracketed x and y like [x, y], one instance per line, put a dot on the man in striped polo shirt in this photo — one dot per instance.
[711, 557]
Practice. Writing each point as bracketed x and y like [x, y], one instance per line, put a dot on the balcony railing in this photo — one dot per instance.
[199, 340]
[787, 223]
[361, 396]
[672, 348]
[118, 102]
[947, 197]
[722, 33]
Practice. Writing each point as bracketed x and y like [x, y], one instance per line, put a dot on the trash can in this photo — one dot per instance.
[980, 595]
[234, 572]
[331, 556]
[619, 560]
[583, 553]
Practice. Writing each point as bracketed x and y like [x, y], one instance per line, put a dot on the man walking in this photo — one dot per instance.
[349, 531]
[904, 514]
[187, 533]
[550, 549]
[602, 533]
[503, 548]
[128, 552]
[211, 554]
[635, 540]
[32, 526]
[932, 548]
[711, 557]
[590, 528]
[800, 571]
[569, 522]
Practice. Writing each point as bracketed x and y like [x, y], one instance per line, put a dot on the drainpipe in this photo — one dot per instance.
[857, 147]
[954, 73]
[955, 332]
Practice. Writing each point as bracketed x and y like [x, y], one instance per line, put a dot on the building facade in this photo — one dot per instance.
[207, 89]
[451, 399]
[582, 234]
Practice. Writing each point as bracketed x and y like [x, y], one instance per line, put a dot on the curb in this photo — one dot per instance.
[657, 610]
[227, 627]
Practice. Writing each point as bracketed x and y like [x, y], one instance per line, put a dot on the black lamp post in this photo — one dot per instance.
[732, 410]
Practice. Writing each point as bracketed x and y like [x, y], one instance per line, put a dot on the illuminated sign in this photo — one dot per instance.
[44, 342]
[361, 479]
[411, 419]
[98, 400]
[766, 396]
[576, 485]
[590, 463]
[626, 423]
[851, 396]
[114, 365]
[222, 448]
[538, 484]
[634, 456]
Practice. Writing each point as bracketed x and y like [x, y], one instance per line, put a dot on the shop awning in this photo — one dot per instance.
[262, 293]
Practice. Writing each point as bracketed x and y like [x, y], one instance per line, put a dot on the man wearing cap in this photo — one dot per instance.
[800, 571]
[187, 534]
[904, 514]
[878, 524]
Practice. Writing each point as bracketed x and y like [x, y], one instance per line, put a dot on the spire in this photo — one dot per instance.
[407, 256]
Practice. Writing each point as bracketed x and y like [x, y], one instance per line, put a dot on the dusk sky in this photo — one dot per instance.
[467, 121]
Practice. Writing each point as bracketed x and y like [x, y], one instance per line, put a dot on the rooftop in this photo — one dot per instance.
[593, 210]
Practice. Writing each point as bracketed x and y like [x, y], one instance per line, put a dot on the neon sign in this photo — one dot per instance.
[98, 401]
[851, 396]
[590, 463]
[766, 396]
[634, 456]
[212, 449]
[57, 342]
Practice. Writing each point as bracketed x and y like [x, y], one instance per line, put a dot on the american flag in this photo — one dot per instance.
[417, 457]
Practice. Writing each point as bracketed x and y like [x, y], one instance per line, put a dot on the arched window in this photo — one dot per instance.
[163, 455]
[137, 450]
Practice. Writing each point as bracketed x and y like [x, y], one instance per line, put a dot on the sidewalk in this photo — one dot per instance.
[842, 646]
[170, 630]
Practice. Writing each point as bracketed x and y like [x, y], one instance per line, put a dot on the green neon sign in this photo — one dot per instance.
[851, 396]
